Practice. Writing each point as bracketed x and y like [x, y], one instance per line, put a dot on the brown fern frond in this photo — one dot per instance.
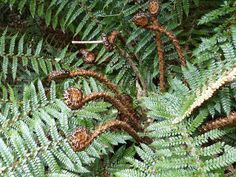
[58, 75]
[81, 138]
[114, 35]
[141, 19]
[219, 123]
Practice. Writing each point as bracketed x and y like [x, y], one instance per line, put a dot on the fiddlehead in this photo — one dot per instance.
[59, 75]
[81, 138]
[73, 100]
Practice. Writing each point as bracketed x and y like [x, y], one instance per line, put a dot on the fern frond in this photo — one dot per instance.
[208, 92]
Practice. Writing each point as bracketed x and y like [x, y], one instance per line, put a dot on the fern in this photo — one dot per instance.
[172, 131]
[176, 152]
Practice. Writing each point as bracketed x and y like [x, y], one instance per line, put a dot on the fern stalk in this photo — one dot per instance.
[219, 123]
[160, 53]
[122, 108]
[173, 39]
[89, 137]
[63, 74]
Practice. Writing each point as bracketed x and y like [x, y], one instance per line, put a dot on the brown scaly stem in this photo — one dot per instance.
[153, 8]
[81, 139]
[160, 53]
[59, 75]
[143, 20]
[161, 61]
[99, 77]
[114, 101]
[172, 37]
[127, 101]
[219, 123]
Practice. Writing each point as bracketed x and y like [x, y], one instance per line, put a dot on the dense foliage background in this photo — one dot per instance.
[165, 114]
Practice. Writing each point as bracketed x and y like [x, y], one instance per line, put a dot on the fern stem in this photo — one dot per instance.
[103, 128]
[58, 75]
[161, 61]
[160, 53]
[219, 123]
[172, 37]
[99, 77]
[115, 102]
[129, 58]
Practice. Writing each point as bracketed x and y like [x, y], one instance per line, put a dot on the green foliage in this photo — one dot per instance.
[176, 151]
[35, 39]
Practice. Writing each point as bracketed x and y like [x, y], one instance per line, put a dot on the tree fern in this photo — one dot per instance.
[100, 109]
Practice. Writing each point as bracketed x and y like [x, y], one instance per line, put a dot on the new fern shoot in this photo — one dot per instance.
[128, 88]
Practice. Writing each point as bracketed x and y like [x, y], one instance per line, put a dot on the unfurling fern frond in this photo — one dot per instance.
[137, 102]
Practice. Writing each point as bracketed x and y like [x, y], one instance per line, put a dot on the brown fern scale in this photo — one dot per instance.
[88, 56]
[154, 7]
[79, 138]
[141, 19]
[73, 97]
[219, 123]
